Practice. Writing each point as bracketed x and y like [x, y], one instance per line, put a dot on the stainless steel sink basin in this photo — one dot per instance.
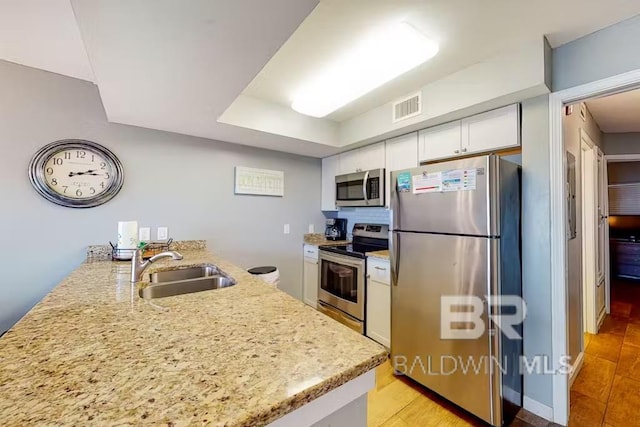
[185, 274]
[185, 281]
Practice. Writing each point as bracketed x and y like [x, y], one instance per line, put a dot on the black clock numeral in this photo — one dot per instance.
[49, 171]
[65, 188]
[93, 158]
[54, 181]
[102, 184]
[92, 190]
[78, 193]
[106, 175]
[103, 165]
[80, 154]
[67, 155]
[57, 161]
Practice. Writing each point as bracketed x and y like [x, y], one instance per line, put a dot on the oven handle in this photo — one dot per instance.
[364, 187]
[341, 317]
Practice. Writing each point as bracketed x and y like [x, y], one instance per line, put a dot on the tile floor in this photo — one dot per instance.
[606, 391]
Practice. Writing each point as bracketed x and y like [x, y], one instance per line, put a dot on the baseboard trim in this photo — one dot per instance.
[538, 408]
[575, 368]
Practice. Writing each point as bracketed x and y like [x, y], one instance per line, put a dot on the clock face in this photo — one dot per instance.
[76, 173]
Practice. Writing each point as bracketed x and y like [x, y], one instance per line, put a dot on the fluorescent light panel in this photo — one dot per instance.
[382, 56]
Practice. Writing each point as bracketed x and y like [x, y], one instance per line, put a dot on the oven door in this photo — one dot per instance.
[342, 283]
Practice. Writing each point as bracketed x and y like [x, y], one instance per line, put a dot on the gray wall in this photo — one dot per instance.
[622, 143]
[536, 245]
[181, 182]
[608, 52]
[571, 126]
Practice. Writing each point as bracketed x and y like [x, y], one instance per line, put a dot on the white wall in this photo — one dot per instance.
[181, 182]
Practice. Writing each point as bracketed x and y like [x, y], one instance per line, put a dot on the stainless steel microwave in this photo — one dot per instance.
[360, 188]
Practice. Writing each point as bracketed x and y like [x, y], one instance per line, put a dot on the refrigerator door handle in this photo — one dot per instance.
[396, 252]
[365, 185]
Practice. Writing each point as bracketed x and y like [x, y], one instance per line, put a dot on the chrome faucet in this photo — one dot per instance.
[138, 265]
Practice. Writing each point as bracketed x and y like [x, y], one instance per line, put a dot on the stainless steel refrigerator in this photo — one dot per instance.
[456, 232]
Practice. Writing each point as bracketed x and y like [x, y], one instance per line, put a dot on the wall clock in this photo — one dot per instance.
[76, 173]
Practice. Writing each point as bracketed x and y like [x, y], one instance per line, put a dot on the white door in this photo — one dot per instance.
[490, 131]
[589, 173]
[362, 159]
[439, 142]
[401, 153]
[602, 236]
[379, 301]
[310, 291]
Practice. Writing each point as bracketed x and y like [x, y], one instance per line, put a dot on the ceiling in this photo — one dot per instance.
[178, 66]
[617, 113]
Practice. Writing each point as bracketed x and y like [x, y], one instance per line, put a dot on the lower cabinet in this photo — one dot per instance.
[379, 301]
[310, 276]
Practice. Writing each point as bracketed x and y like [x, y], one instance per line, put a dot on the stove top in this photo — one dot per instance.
[366, 238]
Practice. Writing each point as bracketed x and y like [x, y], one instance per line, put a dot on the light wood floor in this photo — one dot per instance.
[400, 402]
[606, 391]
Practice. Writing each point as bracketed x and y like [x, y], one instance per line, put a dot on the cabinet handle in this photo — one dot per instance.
[456, 151]
[380, 268]
[464, 150]
[309, 252]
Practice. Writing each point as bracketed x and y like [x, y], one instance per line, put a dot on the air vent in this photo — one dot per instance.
[407, 107]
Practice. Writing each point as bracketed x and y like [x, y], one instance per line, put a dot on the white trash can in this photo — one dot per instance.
[268, 273]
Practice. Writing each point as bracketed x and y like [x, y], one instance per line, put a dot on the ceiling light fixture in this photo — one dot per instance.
[382, 56]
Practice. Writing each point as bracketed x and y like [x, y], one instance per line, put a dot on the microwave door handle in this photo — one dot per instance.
[365, 186]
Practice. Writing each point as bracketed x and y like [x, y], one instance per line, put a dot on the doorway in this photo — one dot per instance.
[610, 387]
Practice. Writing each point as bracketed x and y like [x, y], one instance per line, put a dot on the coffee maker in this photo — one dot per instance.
[336, 229]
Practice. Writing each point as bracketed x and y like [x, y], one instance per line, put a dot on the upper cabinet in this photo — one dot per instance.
[362, 159]
[329, 172]
[494, 130]
[401, 153]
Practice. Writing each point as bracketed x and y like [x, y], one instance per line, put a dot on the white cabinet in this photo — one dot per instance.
[401, 153]
[440, 142]
[379, 301]
[310, 275]
[496, 129]
[362, 159]
[329, 172]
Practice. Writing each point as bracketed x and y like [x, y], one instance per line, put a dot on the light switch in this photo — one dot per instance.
[287, 229]
[312, 228]
[163, 233]
[144, 234]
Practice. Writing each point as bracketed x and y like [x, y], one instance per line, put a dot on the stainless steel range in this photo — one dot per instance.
[341, 291]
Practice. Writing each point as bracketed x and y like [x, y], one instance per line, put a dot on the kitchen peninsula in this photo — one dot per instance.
[93, 351]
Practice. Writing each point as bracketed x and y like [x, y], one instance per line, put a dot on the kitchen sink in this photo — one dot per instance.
[185, 281]
[185, 274]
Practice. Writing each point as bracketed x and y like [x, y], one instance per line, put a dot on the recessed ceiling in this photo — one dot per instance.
[468, 31]
[617, 113]
[43, 34]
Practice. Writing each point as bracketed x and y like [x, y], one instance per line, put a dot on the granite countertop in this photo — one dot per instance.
[379, 254]
[93, 352]
[318, 239]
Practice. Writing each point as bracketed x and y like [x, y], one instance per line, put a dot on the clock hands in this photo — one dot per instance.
[89, 172]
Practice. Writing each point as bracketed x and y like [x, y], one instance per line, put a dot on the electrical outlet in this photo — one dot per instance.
[287, 229]
[144, 234]
[163, 233]
[312, 228]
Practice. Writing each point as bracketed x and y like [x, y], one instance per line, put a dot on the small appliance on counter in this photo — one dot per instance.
[336, 229]
[343, 274]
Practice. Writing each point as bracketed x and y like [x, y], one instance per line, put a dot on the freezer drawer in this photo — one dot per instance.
[424, 268]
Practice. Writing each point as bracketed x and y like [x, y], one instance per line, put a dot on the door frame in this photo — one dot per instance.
[557, 164]
[588, 194]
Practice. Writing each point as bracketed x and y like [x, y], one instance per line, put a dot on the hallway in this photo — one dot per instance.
[607, 389]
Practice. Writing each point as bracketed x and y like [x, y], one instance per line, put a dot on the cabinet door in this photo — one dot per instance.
[329, 172]
[401, 153]
[379, 312]
[440, 142]
[493, 130]
[310, 280]
[362, 159]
